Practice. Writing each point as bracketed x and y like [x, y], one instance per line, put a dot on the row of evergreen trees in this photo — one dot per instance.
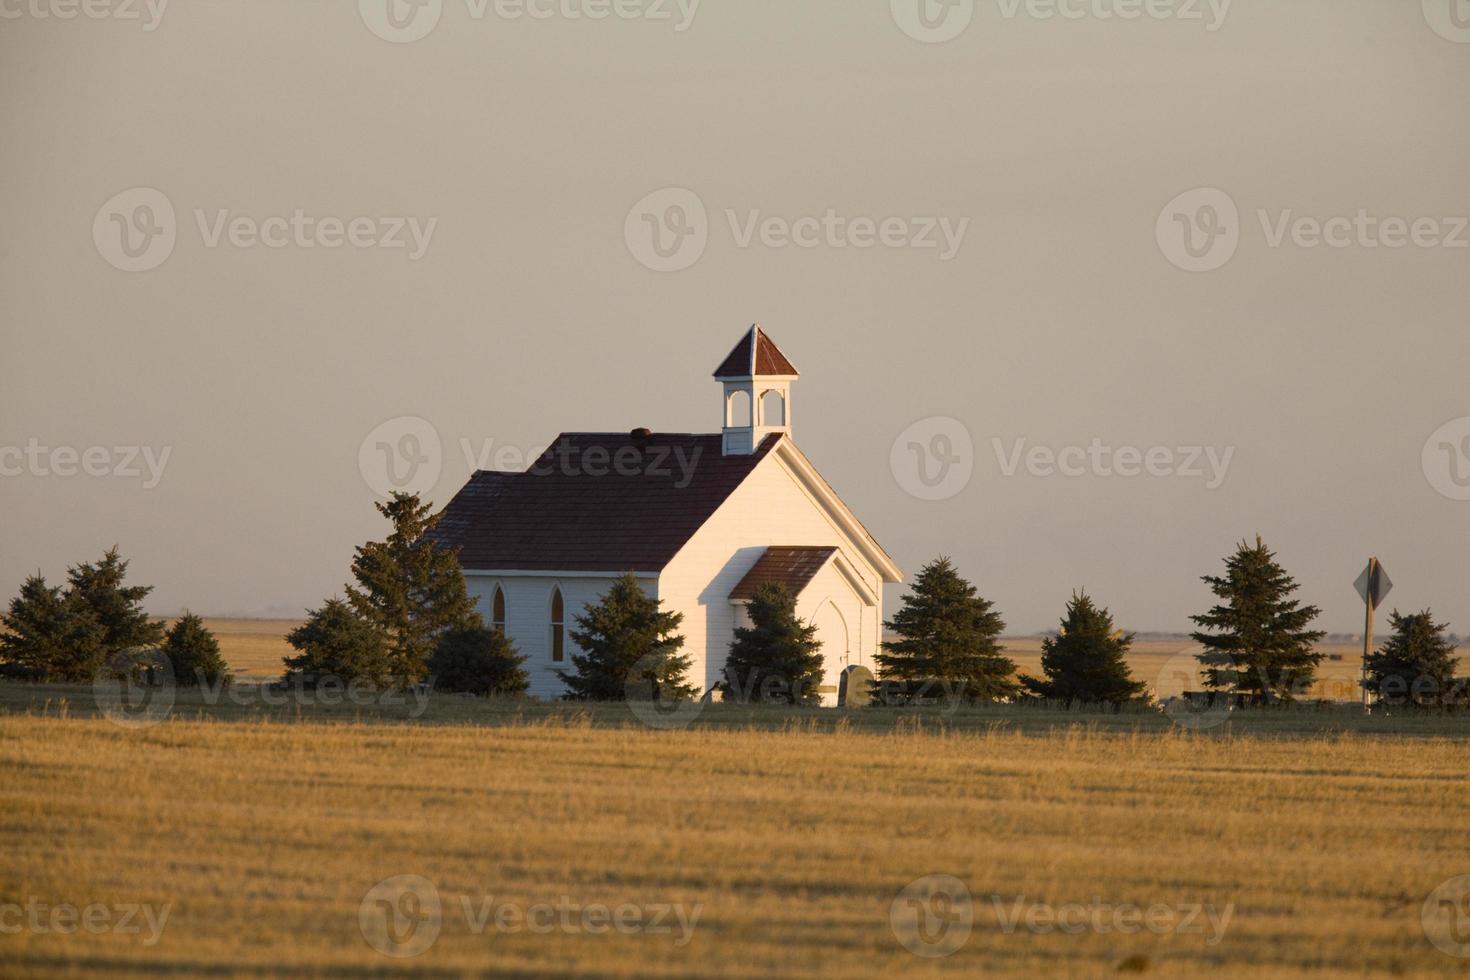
[96, 622]
[408, 618]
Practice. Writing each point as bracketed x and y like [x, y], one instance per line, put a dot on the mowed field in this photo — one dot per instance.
[254, 648]
[253, 839]
[779, 845]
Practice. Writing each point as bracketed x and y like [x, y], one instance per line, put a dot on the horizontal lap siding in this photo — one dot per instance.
[528, 618]
[769, 508]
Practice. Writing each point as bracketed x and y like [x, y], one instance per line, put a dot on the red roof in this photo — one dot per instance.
[595, 501]
[756, 355]
[793, 567]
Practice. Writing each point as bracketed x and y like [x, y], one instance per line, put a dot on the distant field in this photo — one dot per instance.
[254, 648]
[784, 837]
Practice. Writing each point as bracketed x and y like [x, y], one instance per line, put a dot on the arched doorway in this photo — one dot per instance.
[832, 631]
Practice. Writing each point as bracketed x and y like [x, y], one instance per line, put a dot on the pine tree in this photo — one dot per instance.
[336, 642]
[50, 634]
[1086, 660]
[117, 608]
[1416, 665]
[1258, 641]
[629, 641]
[948, 636]
[478, 661]
[778, 658]
[410, 587]
[193, 652]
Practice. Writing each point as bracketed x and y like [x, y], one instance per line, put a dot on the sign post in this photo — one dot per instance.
[1373, 585]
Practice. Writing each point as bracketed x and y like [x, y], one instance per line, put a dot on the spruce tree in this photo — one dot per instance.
[629, 640]
[336, 642]
[478, 661]
[117, 608]
[1257, 640]
[948, 636]
[778, 658]
[410, 587]
[193, 652]
[1086, 660]
[1415, 665]
[50, 634]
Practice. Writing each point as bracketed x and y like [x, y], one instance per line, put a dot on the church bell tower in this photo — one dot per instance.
[756, 378]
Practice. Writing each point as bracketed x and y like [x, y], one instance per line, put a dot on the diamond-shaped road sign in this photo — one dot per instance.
[1381, 583]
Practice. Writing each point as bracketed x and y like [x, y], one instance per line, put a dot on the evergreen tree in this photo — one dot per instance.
[777, 658]
[1087, 658]
[336, 642]
[410, 587]
[116, 607]
[948, 636]
[629, 640]
[52, 635]
[1258, 641]
[478, 661]
[193, 652]
[1416, 665]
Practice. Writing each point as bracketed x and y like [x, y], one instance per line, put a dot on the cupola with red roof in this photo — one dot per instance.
[757, 381]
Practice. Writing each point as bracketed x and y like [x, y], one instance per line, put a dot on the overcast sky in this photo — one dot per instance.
[1033, 289]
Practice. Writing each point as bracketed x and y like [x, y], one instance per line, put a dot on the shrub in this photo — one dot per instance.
[194, 653]
[778, 658]
[336, 642]
[478, 661]
[1086, 660]
[630, 642]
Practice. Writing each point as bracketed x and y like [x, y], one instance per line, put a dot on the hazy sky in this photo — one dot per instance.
[518, 148]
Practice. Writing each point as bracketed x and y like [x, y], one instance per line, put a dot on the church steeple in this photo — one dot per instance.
[757, 384]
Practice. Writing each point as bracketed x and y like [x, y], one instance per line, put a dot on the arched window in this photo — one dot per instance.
[497, 610]
[737, 412]
[558, 626]
[773, 408]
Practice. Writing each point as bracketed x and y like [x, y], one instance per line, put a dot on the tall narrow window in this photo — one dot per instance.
[558, 627]
[497, 610]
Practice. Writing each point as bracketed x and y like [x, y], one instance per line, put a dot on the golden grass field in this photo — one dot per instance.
[262, 839]
[784, 837]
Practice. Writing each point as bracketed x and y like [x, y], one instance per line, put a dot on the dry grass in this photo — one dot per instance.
[262, 826]
[254, 648]
[264, 837]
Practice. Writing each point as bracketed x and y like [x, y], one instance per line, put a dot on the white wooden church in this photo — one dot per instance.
[700, 519]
